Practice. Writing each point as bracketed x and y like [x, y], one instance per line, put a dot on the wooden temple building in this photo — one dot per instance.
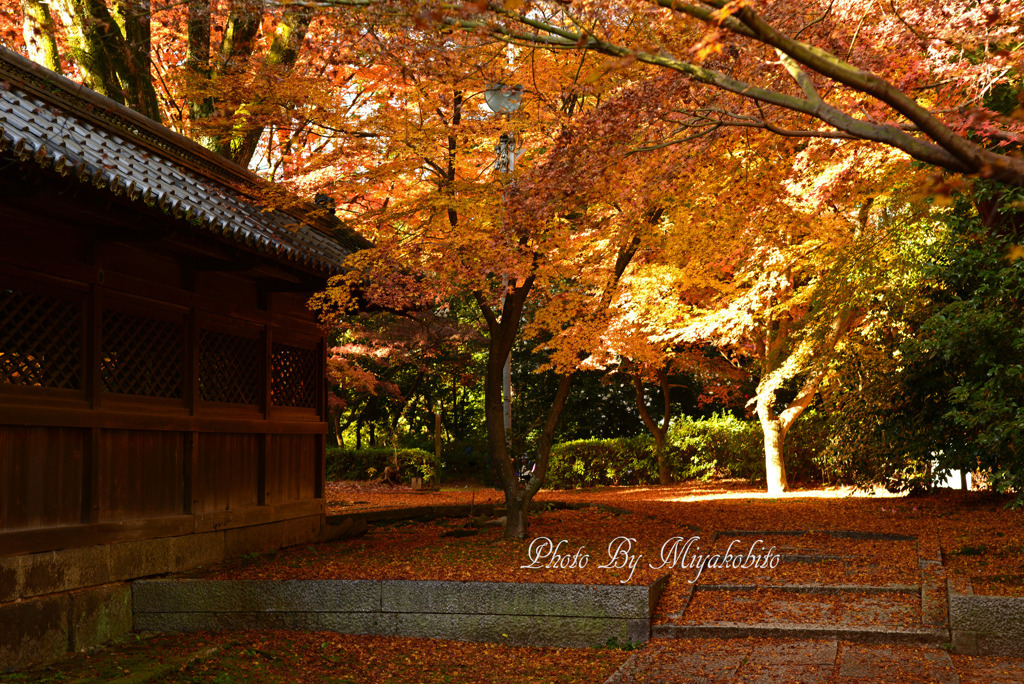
[162, 392]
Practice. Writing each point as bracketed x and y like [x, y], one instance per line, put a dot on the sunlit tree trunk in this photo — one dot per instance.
[40, 39]
[783, 361]
[774, 460]
[112, 65]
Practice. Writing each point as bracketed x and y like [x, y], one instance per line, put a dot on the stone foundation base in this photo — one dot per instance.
[74, 599]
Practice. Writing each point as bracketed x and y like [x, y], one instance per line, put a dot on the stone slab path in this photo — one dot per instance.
[770, 661]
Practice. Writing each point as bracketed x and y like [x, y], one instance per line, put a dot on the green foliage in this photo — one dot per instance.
[349, 464]
[941, 370]
[596, 462]
[721, 445]
[725, 445]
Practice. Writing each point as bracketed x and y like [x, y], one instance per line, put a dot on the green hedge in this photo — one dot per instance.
[721, 445]
[349, 464]
[620, 461]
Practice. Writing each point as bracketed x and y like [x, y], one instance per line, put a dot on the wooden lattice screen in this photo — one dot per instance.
[293, 376]
[40, 341]
[229, 368]
[142, 356]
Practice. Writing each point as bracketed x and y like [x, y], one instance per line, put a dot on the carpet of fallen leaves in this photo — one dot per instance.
[849, 609]
[981, 539]
[272, 657]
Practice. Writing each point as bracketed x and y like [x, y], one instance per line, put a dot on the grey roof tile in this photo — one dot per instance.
[59, 124]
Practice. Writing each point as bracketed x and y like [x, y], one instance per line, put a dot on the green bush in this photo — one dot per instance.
[349, 464]
[721, 445]
[595, 462]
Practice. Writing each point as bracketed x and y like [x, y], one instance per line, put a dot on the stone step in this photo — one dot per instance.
[739, 630]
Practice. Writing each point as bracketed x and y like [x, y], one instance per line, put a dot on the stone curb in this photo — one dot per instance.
[737, 630]
[539, 614]
[986, 625]
[833, 590]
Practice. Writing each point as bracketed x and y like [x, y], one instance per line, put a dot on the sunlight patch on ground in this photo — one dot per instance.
[718, 493]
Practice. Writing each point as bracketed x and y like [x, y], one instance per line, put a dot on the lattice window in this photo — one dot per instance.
[142, 356]
[229, 368]
[40, 341]
[293, 376]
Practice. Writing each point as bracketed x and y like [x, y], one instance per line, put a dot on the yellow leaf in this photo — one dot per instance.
[1016, 252]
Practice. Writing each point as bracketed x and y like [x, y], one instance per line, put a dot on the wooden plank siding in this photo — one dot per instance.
[41, 472]
[138, 444]
[291, 468]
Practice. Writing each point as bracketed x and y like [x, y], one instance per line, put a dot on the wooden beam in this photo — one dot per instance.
[298, 422]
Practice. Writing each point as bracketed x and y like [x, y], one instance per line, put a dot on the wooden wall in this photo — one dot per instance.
[135, 387]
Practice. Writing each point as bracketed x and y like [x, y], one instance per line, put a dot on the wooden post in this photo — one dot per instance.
[93, 383]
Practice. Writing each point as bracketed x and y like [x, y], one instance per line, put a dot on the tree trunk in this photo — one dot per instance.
[40, 36]
[774, 463]
[664, 471]
[516, 511]
[338, 429]
[437, 435]
[503, 332]
[658, 431]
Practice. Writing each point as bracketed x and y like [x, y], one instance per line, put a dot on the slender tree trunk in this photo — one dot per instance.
[437, 435]
[338, 429]
[503, 331]
[664, 469]
[774, 461]
[283, 53]
[659, 432]
[40, 36]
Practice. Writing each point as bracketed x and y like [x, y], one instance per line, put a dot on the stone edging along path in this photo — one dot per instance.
[541, 614]
[523, 614]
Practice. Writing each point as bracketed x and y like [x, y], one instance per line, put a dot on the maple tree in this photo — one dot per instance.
[788, 68]
[228, 75]
[451, 225]
[665, 182]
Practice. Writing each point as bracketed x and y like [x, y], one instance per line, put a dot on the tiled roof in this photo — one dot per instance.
[62, 125]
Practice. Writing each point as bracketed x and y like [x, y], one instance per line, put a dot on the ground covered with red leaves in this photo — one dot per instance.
[981, 540]
[280, 657]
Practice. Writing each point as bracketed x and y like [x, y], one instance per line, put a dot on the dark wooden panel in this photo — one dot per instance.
[298, 422]
[257, 515]
[139, 262]
[139, 474]
[77, 536]
[40, 477]
[225, 475]
[228, 288]
[291, 468]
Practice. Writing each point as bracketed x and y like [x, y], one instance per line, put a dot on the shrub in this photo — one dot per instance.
[349, 464]
[721, 445]
[594, 462]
